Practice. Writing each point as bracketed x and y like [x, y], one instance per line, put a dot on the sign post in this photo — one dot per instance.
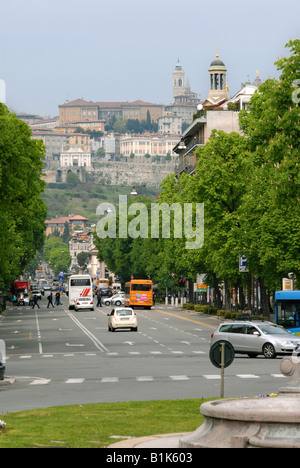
[221, 355]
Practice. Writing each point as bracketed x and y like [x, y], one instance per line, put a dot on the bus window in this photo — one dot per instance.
[80, 282]
[288, 314]
[141, 287]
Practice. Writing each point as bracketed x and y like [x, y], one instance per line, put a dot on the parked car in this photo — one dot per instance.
[122, 317]
[84, 303]
[117, 299]
[23, 299]
[256, 337]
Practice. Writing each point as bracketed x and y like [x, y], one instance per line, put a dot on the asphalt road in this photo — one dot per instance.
[61, 357]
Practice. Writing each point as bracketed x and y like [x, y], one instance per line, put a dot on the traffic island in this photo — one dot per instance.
[7, 381]
[260, 422]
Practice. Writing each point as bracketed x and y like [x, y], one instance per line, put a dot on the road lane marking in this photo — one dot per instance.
[247, 376]
[88, 333]
[185, 318]
[38, 333]
[110, 379]
[74, 381]
[179, 377]
[40, 382]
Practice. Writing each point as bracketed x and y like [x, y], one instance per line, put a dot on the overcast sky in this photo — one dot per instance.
[124, 50]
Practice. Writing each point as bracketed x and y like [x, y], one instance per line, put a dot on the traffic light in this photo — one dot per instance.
[181, 283]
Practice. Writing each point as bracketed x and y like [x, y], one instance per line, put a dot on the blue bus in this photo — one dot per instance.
[287, 310]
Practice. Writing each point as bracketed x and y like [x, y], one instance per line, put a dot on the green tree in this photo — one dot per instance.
[82, 258]
[22, 211]
[271, 222]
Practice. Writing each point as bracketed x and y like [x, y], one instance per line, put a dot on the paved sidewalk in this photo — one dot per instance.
[155, 441]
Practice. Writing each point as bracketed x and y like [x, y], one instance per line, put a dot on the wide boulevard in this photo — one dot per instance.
[61, 357]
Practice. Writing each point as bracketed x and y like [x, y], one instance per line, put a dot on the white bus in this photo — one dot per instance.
[80, 286]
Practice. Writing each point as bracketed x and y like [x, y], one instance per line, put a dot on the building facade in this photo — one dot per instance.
[148, 148]
[58, 224]
[80, 111]
[75, 156]
[170, 123]
[77, 111]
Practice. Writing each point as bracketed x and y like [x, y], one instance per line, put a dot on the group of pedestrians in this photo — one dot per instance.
[50, 300]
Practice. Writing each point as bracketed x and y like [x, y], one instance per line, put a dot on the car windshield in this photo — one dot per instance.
[270, 329]
[123, 312]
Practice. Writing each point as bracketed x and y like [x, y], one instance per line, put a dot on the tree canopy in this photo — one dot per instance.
[249, 185]
[22, 211]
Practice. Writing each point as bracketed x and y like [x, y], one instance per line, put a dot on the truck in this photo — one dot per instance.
[20, 286]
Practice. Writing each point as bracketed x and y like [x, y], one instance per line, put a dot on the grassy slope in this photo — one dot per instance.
[83, 199]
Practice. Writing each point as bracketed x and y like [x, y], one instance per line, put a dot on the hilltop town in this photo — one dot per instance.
[137, 143]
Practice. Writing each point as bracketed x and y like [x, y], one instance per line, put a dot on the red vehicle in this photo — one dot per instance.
[19, 286]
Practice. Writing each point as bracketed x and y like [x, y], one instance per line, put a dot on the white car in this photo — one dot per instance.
[84, 303]
[122, 317]
[117, 299]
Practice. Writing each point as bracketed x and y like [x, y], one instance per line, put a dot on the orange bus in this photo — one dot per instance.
[103, 283]
[139, 293]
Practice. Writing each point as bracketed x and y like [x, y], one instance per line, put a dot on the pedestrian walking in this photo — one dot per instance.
[35, 301]
[57, 298]
[99, 299]
[50, 299]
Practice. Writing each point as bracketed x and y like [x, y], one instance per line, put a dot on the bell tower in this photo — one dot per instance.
[178, 81]
[218, 89]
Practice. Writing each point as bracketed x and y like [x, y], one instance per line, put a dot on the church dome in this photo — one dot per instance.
[216, 63]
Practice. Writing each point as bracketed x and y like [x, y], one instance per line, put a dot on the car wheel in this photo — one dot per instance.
[269, 351]
[118, 303]
[107, 303]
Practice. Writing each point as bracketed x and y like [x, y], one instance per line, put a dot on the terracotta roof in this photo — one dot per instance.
[82, 102]
[140, 103]
[78, 103]
[61, 220]
[65, 219]
[72, 217]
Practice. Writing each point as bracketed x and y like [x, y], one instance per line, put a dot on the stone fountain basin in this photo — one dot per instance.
[248, 423]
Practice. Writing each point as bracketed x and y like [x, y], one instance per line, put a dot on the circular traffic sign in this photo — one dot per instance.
[215, 354]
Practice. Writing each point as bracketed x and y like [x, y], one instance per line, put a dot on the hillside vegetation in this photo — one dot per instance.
[83, 198]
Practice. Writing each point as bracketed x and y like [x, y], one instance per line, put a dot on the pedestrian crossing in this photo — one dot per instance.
[110, 354]
[145, 378]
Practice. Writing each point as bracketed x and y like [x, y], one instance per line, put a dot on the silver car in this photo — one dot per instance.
[117, 299]
[257, 337]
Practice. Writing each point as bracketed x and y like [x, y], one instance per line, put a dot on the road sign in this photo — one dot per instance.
[221, 355]
[243, 264]
[215, 354]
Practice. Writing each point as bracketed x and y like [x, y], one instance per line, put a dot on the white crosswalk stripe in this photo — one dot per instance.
[149, 378]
